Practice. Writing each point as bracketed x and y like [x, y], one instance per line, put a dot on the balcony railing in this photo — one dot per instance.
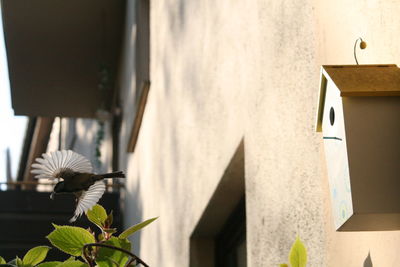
[27, 214]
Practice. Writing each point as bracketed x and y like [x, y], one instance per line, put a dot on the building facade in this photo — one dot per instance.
[230, 117]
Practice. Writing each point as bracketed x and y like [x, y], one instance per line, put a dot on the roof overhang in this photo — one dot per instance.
[56, 52]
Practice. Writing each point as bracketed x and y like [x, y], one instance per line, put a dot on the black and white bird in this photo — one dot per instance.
[76, 173]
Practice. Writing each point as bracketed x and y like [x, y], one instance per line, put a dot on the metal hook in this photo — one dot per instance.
[363, 45]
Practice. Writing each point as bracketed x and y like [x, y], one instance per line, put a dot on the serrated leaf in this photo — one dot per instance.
[298, 254]
[35, 256]
[70, 239]
[2, 260]
[50, 264]
[131, 230]
[73, 264]
[97, 215]
[107, 257]
[56, 226]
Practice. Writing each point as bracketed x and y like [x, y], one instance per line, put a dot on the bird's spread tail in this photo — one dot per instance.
[118, 174]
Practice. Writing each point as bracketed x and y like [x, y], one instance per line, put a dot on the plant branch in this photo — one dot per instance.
[133, 256]
[87, 257]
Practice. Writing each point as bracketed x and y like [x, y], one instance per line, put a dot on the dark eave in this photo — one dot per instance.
[55, 51]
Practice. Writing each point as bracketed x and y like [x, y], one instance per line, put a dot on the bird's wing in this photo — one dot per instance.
[88, 199]
[54, 164]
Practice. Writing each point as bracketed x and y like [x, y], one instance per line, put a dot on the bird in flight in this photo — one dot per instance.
[76, 173]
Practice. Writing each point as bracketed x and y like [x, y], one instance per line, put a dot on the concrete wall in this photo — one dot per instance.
[226, 70]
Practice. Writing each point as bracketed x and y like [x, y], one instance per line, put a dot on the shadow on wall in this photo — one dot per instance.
[224, 201]
[368, 261]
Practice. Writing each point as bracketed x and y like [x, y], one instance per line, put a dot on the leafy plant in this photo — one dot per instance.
[86, 249]
[297, 255]
[32, 258]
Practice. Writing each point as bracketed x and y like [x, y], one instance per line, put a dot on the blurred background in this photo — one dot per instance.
[45, 98]
[11, 139]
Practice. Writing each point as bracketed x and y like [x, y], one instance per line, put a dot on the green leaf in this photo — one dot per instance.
[298, 254]
[56, 226]
[135, 228]
[2, 260]
[100, 237]
[72, 258]
[50, 264]
[97, 215]
[110, 219]
[70, 239]
[72, 264]
[18, 261]
[35, 256]
[7, 265]
[108, 257]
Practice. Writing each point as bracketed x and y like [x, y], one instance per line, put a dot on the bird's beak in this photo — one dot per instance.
[52, 195]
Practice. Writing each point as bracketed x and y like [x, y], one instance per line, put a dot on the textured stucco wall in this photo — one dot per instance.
[221, 70]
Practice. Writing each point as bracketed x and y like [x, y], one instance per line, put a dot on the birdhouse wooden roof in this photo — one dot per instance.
[358, 80]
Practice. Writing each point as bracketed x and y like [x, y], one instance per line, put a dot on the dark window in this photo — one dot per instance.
[142, 67]
[219, 238]
[231, 241]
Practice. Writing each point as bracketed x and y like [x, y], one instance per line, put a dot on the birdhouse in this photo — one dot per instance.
[359, 117]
